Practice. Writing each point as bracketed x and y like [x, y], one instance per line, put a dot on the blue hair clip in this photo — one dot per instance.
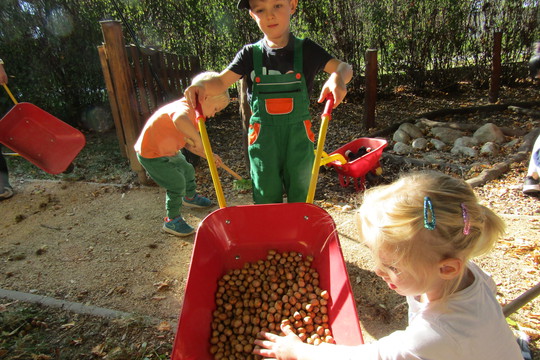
[429, 215]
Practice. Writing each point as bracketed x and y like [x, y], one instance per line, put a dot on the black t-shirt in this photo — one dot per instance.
[281, 61]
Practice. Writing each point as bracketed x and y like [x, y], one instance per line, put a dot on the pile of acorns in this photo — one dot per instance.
[283, 289]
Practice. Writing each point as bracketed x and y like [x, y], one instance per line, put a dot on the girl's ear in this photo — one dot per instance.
[450, 268]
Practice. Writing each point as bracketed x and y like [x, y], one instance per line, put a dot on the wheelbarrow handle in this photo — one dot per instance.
[209, 155]
[10, 94]
[326, 116]
[329, 106]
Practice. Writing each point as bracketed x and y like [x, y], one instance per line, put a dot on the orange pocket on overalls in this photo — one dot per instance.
[309, 133]
[254, 130]
[279, 106]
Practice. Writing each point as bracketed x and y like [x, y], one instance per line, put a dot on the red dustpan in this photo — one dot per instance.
[39, 137]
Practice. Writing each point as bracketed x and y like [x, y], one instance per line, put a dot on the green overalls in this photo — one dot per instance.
[281, 143]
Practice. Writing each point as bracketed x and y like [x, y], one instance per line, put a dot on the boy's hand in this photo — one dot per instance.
[217, 160]
[336, 86]
[278, 347]
[194, 93]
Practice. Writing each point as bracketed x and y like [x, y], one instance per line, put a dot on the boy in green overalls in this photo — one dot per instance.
[280, 70]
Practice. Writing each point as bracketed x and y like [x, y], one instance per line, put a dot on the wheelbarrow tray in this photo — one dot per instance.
[231, 236]
[361, 166]
[41, 138]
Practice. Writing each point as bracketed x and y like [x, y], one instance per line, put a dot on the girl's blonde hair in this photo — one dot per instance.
[222, 98]
[391, 220]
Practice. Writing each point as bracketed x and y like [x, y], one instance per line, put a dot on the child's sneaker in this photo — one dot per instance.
[6, 193]
[531, 186]
[177, 226]
[197, 201]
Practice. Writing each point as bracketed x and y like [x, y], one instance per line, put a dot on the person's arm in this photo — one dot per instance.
[340, 75]
[3, 75]
[192, 137]
[211, 87]
[290, 347]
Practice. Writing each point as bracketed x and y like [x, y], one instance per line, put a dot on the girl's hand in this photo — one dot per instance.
[279, 347]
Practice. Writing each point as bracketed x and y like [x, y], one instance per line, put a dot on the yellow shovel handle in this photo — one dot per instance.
[210, 157]
[231, 171]
[228, 169]
[10, 94]
[327, 115]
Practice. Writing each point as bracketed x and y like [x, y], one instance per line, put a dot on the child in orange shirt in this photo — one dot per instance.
[167, 131]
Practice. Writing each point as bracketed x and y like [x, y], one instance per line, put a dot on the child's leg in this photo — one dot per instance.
[168, 172]
[534, 163]
[265, 157]
[4, 174]
[189, 174]
[531, 185]
[298, 163]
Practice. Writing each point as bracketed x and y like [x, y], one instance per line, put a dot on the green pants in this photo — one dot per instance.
[175, 175]
[281, 160]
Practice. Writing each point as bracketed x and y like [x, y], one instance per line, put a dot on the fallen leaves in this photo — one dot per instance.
[164, 285]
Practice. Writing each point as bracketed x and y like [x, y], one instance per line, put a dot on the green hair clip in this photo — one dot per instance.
[429, 215]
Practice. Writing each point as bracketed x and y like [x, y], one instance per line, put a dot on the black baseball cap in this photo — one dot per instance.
[243, 4]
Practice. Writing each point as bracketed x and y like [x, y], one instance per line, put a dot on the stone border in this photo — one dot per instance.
[488, 174]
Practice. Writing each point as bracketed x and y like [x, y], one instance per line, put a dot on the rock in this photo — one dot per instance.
[489, 132]
[490, 149]
[402, 149]
[463, 150]
[401, 136]
[438, 144]
[466, 141]
[446, 135]
[422, 124]
[512, 143]
[419, 144]
[412, 130]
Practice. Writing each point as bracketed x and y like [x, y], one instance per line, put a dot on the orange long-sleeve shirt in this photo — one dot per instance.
[160, 137]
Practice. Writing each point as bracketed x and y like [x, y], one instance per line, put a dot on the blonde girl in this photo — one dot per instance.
[422, 230]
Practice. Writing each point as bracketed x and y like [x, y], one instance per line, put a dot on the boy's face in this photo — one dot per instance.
[211, 107]
[273, 16]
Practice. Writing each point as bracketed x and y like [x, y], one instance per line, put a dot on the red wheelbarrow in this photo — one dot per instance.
[230, 237]
[356, 170]
[39, 137]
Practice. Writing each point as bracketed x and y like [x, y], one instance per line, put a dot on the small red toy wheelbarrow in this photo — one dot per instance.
[39, 137]
[355, 171]
[230, 237]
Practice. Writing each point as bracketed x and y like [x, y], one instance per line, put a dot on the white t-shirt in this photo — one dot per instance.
[470, 326]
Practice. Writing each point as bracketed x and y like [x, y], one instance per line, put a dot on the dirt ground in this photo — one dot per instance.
[101, 245]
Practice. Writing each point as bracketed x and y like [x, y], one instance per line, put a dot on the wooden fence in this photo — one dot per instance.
[139, 80]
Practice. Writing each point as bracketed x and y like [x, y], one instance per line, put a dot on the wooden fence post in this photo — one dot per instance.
[112, 100]
[371, 88]
[496, 68]
[115, 51]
